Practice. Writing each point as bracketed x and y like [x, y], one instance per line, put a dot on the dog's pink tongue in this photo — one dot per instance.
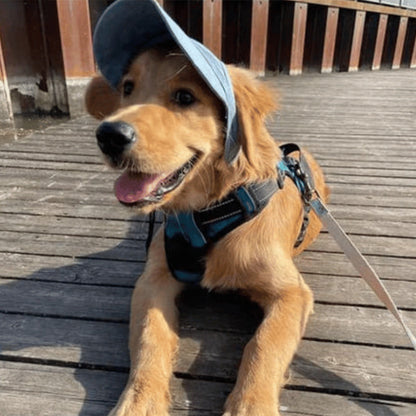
[130, 189]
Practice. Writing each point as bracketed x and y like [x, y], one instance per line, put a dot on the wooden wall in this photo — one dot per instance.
[46, 55]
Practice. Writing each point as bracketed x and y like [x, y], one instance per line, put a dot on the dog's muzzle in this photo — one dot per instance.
[114, 138]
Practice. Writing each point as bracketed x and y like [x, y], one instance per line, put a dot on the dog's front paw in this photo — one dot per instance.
[141, 403]
[239, 405]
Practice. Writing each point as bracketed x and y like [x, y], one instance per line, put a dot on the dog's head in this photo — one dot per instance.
[170, 116]
[164, 128]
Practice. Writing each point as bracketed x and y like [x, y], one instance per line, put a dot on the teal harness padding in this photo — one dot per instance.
[189, 236]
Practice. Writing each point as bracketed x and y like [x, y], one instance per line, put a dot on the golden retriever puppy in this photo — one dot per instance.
[164, 130]
[175, 119]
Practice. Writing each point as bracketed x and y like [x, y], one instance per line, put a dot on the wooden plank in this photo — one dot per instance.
[83, 161]
[345, 166]
[259, 30]
[132, 228]
[197, 311]
[329, 365]
[375, 214]
[370, 180]
[72, 246]
[69, 270]
[336, 264]
[118, 212]
[344, 290]
[79, 296]
[67, 148]
[371, 245]
[73, 392]
[323, 270]
[103, 181]
[72, 197]
[369, 171]
[135, 228]
[351, 164]
[42, 207]
[357, 40]
[212, 26]
[52, 165]
[318, 365]
[65, 300]
[76, 38]
[330, 38]
[132, 250]
[100, 343]
[49, 162]
[366, 196]
[298, 38]
[358, 125]
[338, 366]
[401, 36]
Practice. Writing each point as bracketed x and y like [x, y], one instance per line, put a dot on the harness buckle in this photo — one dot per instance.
[308, 186]
[280, 178]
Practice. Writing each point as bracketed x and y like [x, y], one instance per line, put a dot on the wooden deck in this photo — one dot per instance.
[70, 254]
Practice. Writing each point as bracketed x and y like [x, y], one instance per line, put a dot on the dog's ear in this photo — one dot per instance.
[255, 101]
[100, 98]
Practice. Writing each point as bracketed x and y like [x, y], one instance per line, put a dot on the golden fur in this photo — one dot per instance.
[255, 258]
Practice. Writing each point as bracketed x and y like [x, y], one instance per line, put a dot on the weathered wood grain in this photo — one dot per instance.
[212, 354]
[93, 392]
[331, 322]
[336, 264]
[136, 227]
[131, 228]
[69, 270]
[131, 250]
[358, 195]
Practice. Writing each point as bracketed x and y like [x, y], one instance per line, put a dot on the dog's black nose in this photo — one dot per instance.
[114, 138]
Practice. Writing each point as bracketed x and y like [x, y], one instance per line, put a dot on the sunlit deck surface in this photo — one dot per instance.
[70, 254]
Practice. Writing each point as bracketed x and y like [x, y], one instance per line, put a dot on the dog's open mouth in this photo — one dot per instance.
[143, 188]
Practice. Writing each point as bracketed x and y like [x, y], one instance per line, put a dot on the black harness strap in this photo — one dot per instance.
[190, 235]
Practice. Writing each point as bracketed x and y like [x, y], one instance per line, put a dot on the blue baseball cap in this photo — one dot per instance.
[128, 27]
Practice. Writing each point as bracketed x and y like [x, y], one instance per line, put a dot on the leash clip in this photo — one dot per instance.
[308, 186]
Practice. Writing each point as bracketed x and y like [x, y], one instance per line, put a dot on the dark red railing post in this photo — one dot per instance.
[401, 36]
[212, 26]
[381, 36]
[330, 39]
[76, 42]
[259, 27]
[298, 38]
[357, 41]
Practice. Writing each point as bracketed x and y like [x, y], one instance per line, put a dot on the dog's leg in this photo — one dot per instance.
[153, 339]
[268, 354]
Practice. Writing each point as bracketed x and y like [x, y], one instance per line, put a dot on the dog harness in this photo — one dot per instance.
[190, 235]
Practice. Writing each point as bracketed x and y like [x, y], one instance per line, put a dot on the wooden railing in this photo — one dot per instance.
[268, 36]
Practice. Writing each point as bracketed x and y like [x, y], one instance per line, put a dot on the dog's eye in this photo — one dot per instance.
[128, 87]
[184, 98]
